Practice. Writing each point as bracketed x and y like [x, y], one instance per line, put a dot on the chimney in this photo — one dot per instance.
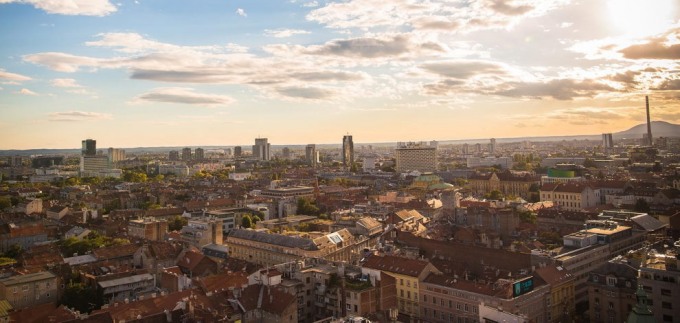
[650, 142]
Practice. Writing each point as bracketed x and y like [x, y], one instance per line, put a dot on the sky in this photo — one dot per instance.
[140, 73]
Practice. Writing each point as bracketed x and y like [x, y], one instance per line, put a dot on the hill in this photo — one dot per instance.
[659, 129]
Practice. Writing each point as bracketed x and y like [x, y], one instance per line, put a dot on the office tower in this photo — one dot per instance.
[311, 155]
[173, 155]
[116, 155]
[186, 154]
[369, 163]
[492, 146]
[286, 152]
[261, 149]
[347, 151]
[650, 141]
[89, 147]
[415, 156]
[238, 151]
[199, 154]
[466, 149]
[607, 141]
[478, 147]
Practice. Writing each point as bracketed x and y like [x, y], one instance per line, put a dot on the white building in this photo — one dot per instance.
[416, 156]
[504, 162]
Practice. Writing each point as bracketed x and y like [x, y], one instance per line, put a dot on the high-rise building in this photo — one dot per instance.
[415, 156]
[311, 155]
[173, 155]
[199, 154]
[186, 154]
[607, 141]
[347, 151]
[478, 147]
[238, 151]
[116, 155]
[286, 152]
[466, 149]
[261, 149]
[492, 146]
[89, 147]
[650, 141]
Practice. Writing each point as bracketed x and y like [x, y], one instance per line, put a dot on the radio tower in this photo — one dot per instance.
[650, 142]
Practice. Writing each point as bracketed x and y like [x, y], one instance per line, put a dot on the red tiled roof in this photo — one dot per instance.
[397, 265]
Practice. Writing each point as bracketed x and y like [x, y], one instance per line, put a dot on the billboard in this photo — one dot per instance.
[523, 286]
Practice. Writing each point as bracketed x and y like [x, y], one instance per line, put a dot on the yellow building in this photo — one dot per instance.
[408, 273]
[562, 285]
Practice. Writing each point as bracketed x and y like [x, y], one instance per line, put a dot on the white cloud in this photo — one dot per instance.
[181, 95]
[12, 77]
[70, 7]
[65, 83]
[283, 33]
[241, 12]
[26, 91]
[78, 116]
[311, 4]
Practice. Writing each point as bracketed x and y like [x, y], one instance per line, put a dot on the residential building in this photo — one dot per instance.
[560, 302]
[507, 182]
[413, 156]
[115, 155]
[570, 196]
[173, 155]
[659, 276]
[238, 151]
[347, 151]
[24, 291]
[199, 154]
[492, 146]
[503, 162]
[148, 228]
[89, 147]
[24, 235]
[311, 155]
[261, 149]
[186, 154]
[202, 231]
[177, 170]
[407, 272]
[611, 290]
[125, 287]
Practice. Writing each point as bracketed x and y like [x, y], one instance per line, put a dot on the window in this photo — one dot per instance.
[401, 291]
[408, 283]
[611, 281]
[459, 306]
[24, 288]
[401, 281]
[424, 298]
[667, 305]
[15, 290]
[665, 292]
[349, 307]
[408, 294]
[611, 305]
[467, 308]
[450, 303]
[434, 300]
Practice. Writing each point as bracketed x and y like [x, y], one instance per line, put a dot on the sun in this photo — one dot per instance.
[640, 18]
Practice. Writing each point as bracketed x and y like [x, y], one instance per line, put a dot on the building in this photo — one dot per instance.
[571, 196]
[269, 249]
[560, 302]
[89, 147]
[202, 231]
[503, 162]
[146, 228]
[347, 151]
[284, 199]
[24, 291]
[407, 272]
[659, 276]
[238, 151]
[24, 235]
[415, 157]
[492, 146]
[607, 142]
[186, 154]
[173, 155]
[311, 155]
[199, 154]
[261, 149]
[507, 182]
[126, 287]
[611, 290]
[177, 170]
[93, 166]
[368, 164]
[115, 155]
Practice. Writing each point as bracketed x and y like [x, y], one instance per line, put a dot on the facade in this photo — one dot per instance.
[415, 156]
[347, 151]
[506, 182]
[202, 231]
[24, 291]
[115, 155]
[97, 166]
[311, 155]
[173, 155]
[261, 149]
[150, 229]
[492, 146]
[238, 151]
[199, 154]
[23, 234]
[177, 170]
[560, 303]
[89, 147]
[186, 154]
[504, 162]
[611, 291]
[570, 196]
[659, 276]
[127, 287]
[607, 142]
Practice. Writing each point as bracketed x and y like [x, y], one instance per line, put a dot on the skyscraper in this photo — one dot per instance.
[492, 146]
[173, 155]
[650, 141]
[607, 141]
[116, 155]
[186, 154]
[311, 155]
[199, 153]
[238, 151]
[347, 150]
[261, 149]
[89, 147]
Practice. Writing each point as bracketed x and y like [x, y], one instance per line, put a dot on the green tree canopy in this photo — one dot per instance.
[246, 221]
[177, 222]
[306, 207]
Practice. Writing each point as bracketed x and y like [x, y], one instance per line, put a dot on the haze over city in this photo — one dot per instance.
[174, 73]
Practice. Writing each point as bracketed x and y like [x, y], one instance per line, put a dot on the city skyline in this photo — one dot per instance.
[147, 73]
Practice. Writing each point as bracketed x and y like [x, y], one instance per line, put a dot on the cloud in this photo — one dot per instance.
[78, 116]
[65, 83]
[284, 33]
[70, 7]
[300, 92]
[311, 4]
[559, 89]
[61, 62]
[669, 85]
[25, 91]
[181, 95]
[463, 69]
[654, 49]
[372, 47]
[12, 77]
[241, 12]
[507, 8]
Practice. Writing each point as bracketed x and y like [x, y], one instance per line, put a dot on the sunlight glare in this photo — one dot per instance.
[640, 18]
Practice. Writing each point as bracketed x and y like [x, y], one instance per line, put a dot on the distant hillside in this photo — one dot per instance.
[659, 129]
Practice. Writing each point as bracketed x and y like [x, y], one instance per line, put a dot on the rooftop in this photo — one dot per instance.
[23, 279]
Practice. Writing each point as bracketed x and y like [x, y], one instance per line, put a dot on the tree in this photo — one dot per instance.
[527, 217]
[5, 202]
[176, 223]
[494, 195]
[14, 251]
[641, 205]
[81, 297]
[246, 221]
[305, 206]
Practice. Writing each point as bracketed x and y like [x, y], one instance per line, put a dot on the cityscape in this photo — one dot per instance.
[303, 161]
